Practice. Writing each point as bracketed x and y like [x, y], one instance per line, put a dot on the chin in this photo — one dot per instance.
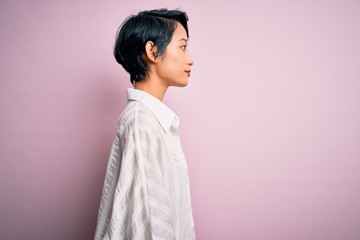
[179, 82]
[183, 84]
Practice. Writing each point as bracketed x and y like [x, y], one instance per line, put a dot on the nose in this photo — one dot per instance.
[190, 60]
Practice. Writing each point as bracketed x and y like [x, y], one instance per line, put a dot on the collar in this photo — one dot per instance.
[162, 113]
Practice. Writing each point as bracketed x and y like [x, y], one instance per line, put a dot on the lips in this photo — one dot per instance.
[188, 72]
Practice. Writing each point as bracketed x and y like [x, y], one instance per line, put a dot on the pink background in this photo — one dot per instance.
[270, 119]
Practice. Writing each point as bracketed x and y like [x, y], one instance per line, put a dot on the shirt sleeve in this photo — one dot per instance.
[135, 201]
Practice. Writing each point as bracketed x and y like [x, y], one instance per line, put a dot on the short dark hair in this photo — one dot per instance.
[157, 26]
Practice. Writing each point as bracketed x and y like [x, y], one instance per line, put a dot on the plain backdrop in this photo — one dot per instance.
[270, 121]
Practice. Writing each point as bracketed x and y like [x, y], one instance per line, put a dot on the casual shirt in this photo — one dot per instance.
[146, 192]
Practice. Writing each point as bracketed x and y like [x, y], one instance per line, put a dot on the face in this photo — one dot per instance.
[173, 68]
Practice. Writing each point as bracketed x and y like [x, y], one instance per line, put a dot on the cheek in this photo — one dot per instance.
[173, 58]
[175, 63]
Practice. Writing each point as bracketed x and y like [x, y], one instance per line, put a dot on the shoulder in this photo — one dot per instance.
[137, 117]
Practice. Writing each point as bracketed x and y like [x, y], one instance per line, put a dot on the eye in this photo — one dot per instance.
[184, 47]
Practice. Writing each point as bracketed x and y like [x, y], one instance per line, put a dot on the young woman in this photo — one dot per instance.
[146, 192]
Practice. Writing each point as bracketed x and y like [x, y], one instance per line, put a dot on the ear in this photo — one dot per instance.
[150, 52]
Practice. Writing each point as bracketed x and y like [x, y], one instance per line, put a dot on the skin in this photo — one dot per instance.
[170, 69]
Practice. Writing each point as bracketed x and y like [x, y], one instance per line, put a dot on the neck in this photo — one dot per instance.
[154, 88]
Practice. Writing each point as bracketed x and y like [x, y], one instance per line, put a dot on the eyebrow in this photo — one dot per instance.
[184, 39]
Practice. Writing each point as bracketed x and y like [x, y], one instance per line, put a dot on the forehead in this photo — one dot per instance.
[179, 32]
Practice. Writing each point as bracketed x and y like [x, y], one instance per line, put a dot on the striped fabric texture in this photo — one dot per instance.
[146, 192]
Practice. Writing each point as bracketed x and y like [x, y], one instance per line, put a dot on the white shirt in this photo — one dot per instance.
[146, 191]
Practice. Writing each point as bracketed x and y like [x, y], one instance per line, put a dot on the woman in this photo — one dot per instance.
[146, 191]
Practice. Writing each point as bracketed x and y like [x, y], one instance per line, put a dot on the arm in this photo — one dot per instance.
[140, 199]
